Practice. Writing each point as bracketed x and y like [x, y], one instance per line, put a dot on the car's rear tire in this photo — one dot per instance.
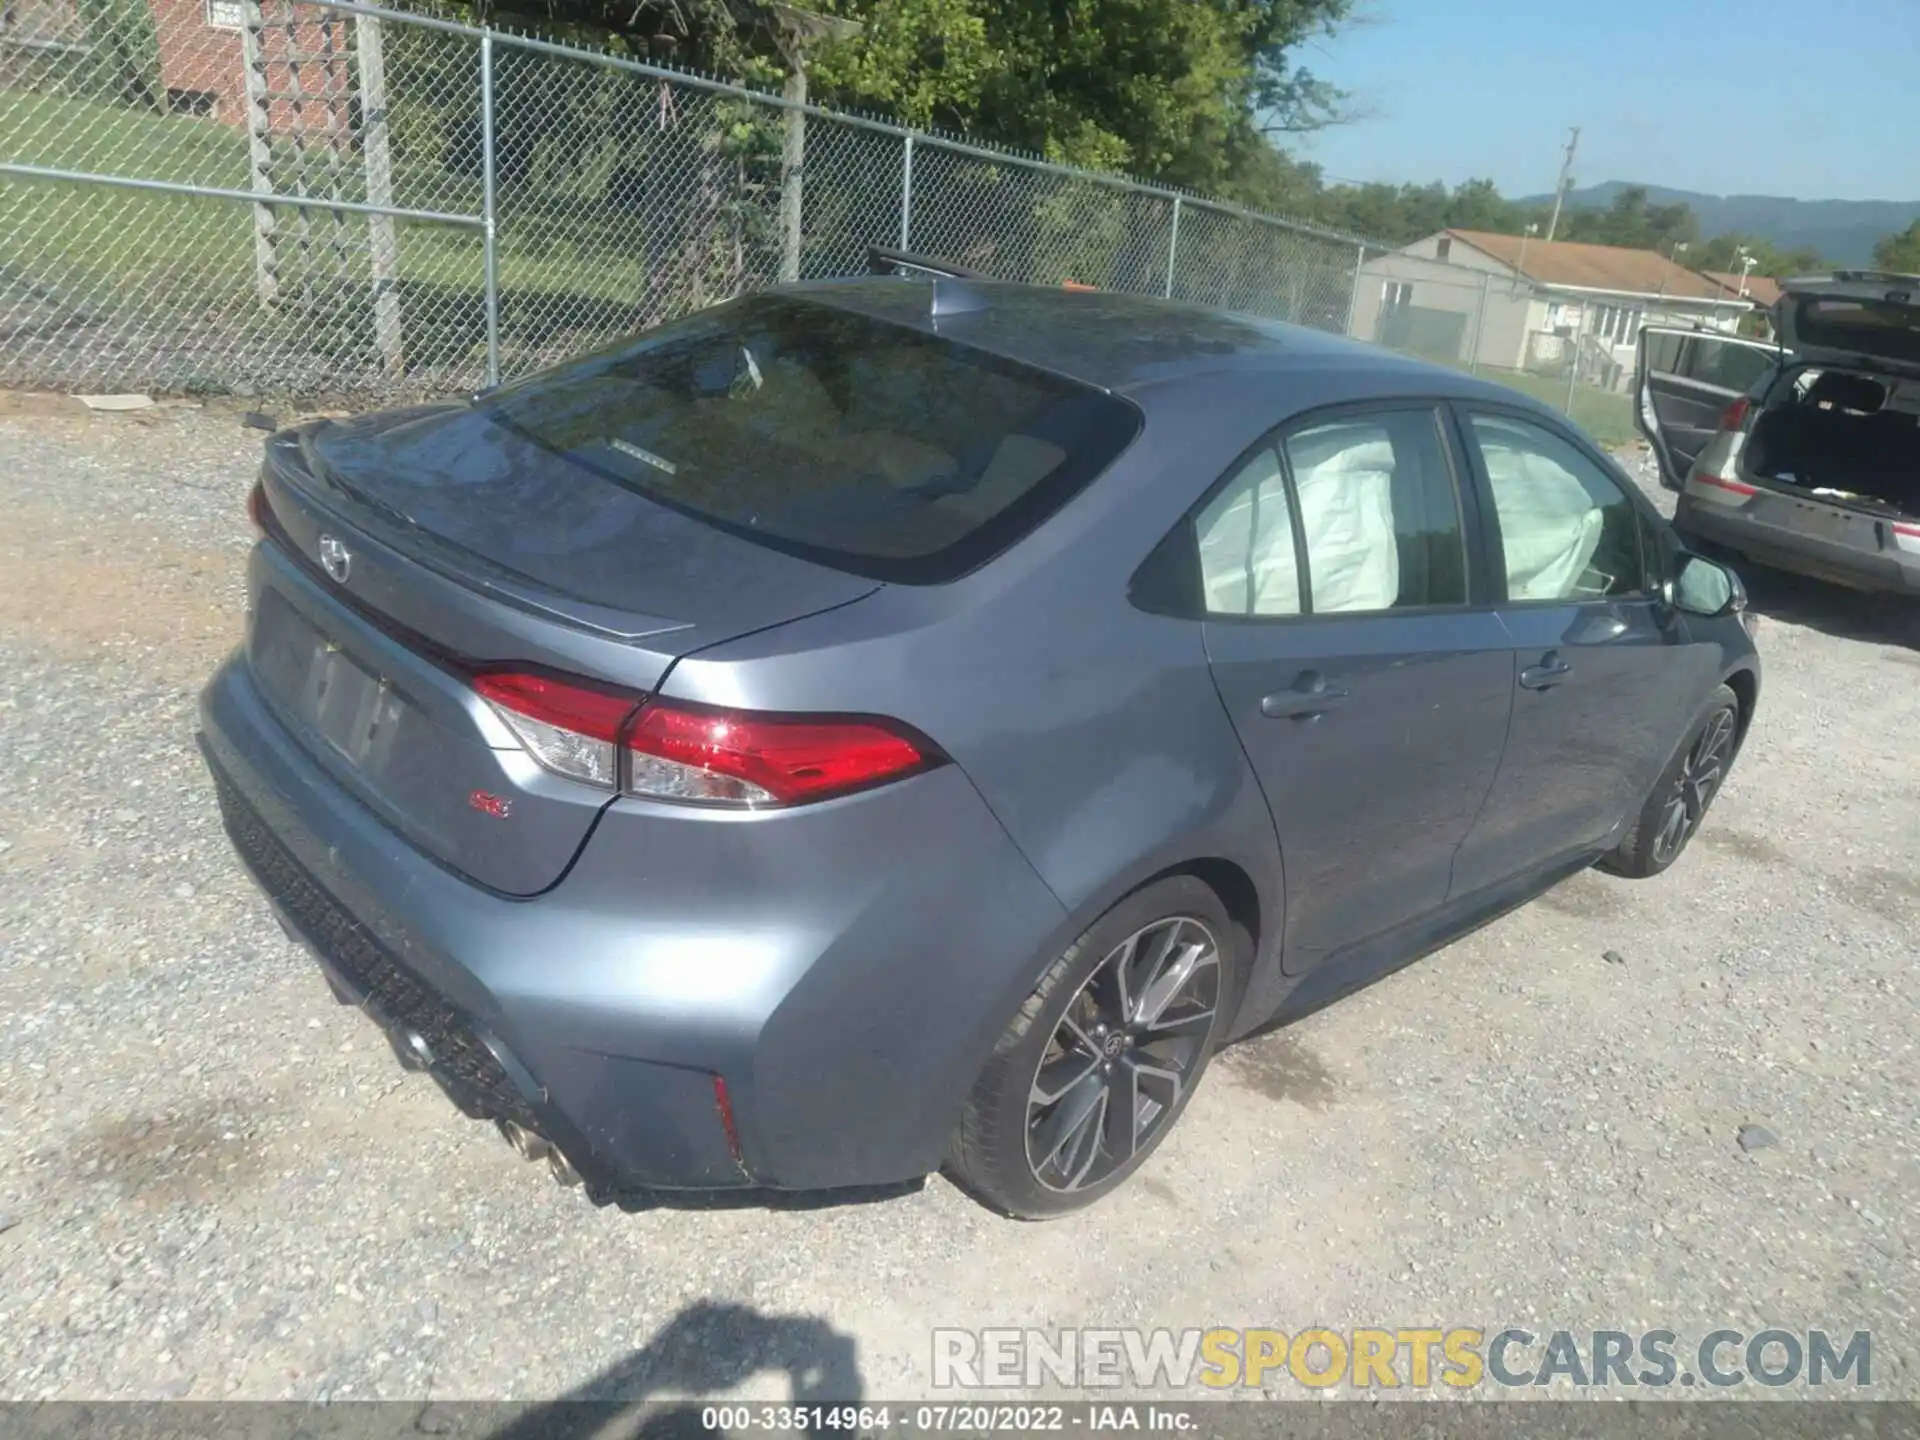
[1673, 812]
[1127, 1017]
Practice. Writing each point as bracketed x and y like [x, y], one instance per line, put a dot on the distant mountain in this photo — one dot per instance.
[1842, 230]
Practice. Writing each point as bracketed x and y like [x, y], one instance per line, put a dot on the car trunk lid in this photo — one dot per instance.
[410, 552]
[466, 493]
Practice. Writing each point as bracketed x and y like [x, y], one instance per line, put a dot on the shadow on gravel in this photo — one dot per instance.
[1831, 609]
[708, 1349]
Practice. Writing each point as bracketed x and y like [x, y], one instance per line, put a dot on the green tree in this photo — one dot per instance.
[1181, 91]
[1631, 220]
[1723, 253]
[1186, 92]
[126, 50]
[1900, 252]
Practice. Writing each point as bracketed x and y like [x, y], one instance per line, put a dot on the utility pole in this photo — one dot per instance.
[1566, 175]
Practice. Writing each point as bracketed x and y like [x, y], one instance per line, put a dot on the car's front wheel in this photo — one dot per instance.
[1672, 814]
[1097, 1065]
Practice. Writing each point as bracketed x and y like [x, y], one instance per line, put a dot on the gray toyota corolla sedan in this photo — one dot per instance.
[881, 725]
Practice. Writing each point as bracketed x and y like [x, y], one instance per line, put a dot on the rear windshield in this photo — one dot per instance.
[1865, 327]
[870, 447]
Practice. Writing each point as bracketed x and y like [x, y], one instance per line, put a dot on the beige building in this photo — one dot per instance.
[1512, 302]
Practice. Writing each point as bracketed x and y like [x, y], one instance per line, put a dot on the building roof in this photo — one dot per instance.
[1592, 267]
[1763, 291]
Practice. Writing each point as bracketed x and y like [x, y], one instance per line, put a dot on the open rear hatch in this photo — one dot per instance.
[1842, 425]
[1853, 318]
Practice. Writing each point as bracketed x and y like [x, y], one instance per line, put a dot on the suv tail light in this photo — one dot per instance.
[1735, 415]
[671, 750]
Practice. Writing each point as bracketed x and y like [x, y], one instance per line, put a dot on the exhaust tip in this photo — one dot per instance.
[529, 1145]
[561, 1167]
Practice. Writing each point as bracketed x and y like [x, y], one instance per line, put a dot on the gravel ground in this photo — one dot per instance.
[214, 1182]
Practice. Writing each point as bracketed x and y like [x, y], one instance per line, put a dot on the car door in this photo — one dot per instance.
[1369, 691]
[1599, 670]
[1685, 380]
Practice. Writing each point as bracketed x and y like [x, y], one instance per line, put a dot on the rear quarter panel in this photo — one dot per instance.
[1092, 729]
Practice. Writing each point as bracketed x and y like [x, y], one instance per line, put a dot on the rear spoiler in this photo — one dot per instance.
[883, 261]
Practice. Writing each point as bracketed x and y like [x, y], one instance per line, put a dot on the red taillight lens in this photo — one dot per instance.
[732, 757]
[698, 753]
[257, 507]
[571, 729]
[1735, 415]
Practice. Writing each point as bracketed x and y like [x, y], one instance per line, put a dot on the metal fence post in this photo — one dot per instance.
[906, 197]
[1173, 245]
[489, 230]
[1573, 370]
[793, 163]
[253, 67]
[1479, 324]
[1353, 298]
[378, 157]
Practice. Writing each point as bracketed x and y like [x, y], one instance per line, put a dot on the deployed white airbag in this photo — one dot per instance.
[1346, 510]
[1549, 525]
[1247, 556]
[1246, 545]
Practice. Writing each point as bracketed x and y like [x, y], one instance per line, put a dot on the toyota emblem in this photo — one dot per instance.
[335, 559]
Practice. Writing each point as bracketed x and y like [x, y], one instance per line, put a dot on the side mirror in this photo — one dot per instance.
[1700, 586]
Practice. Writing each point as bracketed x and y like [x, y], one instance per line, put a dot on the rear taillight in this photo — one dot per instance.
[571, 729]
[734, 757]
[257, 507]
[1735, 415]
[699, 754]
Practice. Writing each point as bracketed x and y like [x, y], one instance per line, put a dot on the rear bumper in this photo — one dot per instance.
[1893, 567]
[845, 968]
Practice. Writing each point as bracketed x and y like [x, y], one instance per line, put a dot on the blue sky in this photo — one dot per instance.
[1770, 97]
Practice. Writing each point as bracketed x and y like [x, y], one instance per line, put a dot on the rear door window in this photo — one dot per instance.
[868, 446]
[1364, 516]
[1732, 365]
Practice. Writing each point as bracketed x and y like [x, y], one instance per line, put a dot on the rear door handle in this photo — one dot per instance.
[1548, 673]
[1309, 698]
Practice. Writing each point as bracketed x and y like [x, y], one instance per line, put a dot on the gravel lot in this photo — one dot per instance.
[215, 1182]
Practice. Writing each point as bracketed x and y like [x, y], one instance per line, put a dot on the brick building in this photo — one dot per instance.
[202, 62]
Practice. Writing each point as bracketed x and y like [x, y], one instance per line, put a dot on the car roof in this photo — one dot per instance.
[1129, 343]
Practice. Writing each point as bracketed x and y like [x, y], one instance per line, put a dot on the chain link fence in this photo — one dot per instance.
[241, 196]
[1573, 352]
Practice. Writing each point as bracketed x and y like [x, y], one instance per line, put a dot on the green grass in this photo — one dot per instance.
[172, 259]
[1606, 415]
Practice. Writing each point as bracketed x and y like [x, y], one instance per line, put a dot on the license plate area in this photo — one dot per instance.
[356, 713]
[1818, 520]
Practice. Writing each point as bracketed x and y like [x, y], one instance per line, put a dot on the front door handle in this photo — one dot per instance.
[1309, 698]
[1548, 673]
